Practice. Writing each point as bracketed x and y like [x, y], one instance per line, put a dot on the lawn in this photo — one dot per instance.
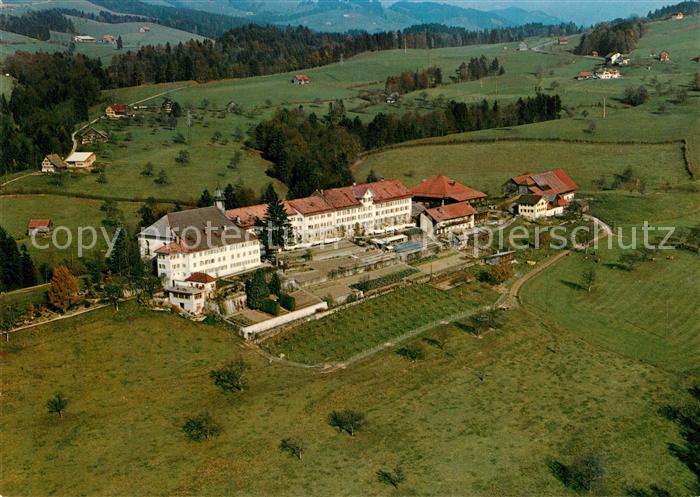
[17, 210]
[486, 166]
[373, 322]
[650, 313]
[481, 418]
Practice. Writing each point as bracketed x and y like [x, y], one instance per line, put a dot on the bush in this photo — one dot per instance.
[201, 427]
[270, 306]
[391, 478]
[347, 420]
[635, 96]
[293, 446]
[287, 301]
[230, 377]
[412, 352]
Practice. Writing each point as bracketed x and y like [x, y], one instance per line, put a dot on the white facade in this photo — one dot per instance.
[217, 261]
[368, 218]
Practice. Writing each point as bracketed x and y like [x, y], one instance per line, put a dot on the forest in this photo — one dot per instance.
[409, 81]
[37, 24]
[299, 143]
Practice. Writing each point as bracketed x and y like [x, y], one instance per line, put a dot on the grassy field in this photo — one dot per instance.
[133, 376]
[348, 332]
[16, 211]
[486, 166]
[650, 313]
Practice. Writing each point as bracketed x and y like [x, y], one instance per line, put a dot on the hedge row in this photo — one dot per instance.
[270, 306]
[287, 301]
[386, 280]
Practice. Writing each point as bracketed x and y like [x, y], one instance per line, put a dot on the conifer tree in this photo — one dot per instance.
[276, 222]
[28, 269]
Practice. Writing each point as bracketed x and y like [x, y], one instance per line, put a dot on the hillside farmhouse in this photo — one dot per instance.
[301, 79]
[192, 293]
[331, 215]
[584, 75]
[84, 39]
[665, 56]
[91, 135]
[81, 160]
[543, 194]
[39, 227]
[616, 59]
[678, 16]
[447, 219]
[200, 240]
[117, 111]
[607, 74]
[52, 162]
[523, 46]
[563, 41]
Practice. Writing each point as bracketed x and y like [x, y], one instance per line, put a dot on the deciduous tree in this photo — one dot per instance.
[64, 289]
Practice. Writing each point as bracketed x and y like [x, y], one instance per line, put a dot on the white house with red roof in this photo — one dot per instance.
[39, 226]
[192, 293]
[543, 194]
[301, 79]
[117, 111]
[199, 241]
[451, 219]
[331, 215]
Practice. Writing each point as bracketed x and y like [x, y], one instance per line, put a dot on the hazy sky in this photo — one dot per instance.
[580, 11]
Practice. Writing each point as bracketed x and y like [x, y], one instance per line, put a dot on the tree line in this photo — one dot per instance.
[310, 153]
[409, 81]
[612, 37]
[17, 269]
[478, 68]
[37, 24]
[687, 8]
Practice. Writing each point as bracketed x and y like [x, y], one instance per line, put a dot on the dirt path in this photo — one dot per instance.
[35, 173]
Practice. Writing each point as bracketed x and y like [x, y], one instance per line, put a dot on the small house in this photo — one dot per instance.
[108, 39]
[301, 79]
[607, 74]
[52, 162]
[563, 41]
[192, 293]
[84, 39]
[117, 111]
[39, 227]
[523, 47]
[584, 75]
[612, 58]
[167, 106]
[91, 135]
[665, 56]
[392, 98]
[678, 16]
[81, 160]
[550, 183]
[144, 29]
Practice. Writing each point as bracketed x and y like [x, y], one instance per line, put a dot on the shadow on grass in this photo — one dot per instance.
[573, 285]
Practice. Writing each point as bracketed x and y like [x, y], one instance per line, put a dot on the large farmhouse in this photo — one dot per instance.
[441, 190]
[330, 215]
[52, 162]
[81, 160]
[92, 135]
[543, 194]
[448, 219]
[198, 241]
[117, 111]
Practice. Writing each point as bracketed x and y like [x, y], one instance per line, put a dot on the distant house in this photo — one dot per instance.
[584, 75]
[84, 39]
[616, 59]
[92, 135]
[167, 106]
[607, 74]
[81, 160]
[144, 29]
[39, 227]
[563, 41]
[301, 79]
[678, 16]
[107, 39]
[392, 98]
[441, 190]
[523, 46]
[664, 56]
[117, 111]
[233, 107]
[51, 163]
[448, 219]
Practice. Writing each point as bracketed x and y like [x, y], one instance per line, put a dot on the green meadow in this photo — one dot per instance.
[481, 417]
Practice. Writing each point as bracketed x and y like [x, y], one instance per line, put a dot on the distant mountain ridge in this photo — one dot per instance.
[369, 15]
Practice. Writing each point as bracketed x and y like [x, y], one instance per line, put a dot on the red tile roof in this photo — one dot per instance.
[301, 77]
[39, 223]
[555, 181]
[172, 248]
[201, 278]
[119, 108]
[307, 206]
[442, 187]
[246, 217]
[451, 211]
